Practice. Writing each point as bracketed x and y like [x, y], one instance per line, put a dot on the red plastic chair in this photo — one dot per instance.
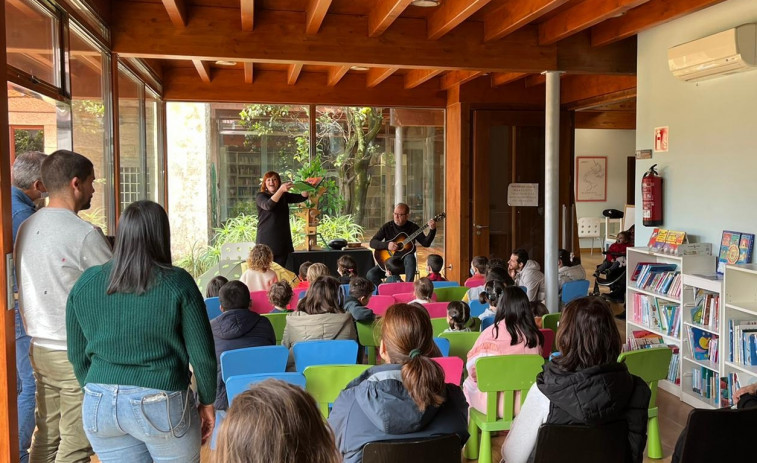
[379, 304]
[453, 369]
[390, 289]
[437, 309]
[549, 339]
[260, 303]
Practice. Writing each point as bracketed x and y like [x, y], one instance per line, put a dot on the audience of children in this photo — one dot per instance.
[585, 385]
[498, 269]
[539, 310]
[214, 285]
[458, 315]
[274, 421]
[280, 295]
[302, 275]
[423, 289]
[406, 397]
[513, 332]
[477, 272]
[259, 276]
[615, 255]
[490, 292]
[361, 290]
[317, 270]
[347, 269]
[394, 269]
[569, 268]
[237, 327]
[434, 266]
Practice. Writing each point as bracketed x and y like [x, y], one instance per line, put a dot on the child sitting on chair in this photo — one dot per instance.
[477, 272]
[215, 285]
[280, 295]
[434, 265]
[616, 255]
[423, 289]
[259, 276]
[361, 290]
[347, 269]
[539, 310]
[394, 268]
[303, 275]
[458, 315]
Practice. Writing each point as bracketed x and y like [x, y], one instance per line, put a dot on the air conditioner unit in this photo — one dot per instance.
[727, 52]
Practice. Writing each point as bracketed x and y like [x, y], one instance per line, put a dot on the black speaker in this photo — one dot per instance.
[337, 244]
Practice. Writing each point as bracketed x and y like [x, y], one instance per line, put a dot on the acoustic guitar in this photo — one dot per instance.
[405, 244]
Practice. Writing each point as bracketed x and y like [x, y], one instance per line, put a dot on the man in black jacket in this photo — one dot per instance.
[384, 236]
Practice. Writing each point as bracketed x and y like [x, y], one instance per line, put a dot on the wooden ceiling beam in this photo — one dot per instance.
[142, 30]
[335, 75]
[248, 68]
[314, 15]
[177, 11]
[502, 78]
[584, 91]
[182, 84]
[375, 76]
[383, 14]
[293, 73]
[513, 15]
[453, 78]
[451, 14]
[247, 8]
[534, 80]
[581, 16]
[575, 54]
[416, 77]
[618, 120]
[203, 69]
[648, 15]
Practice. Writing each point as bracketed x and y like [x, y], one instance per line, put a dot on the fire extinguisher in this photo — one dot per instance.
[651, 197]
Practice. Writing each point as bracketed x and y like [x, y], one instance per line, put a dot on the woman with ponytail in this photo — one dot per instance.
[406, 397]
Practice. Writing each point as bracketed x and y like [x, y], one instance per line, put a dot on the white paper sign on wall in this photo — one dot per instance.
[523, 194]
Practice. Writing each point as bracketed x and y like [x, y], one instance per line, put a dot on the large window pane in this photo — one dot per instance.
[37, 121]
[154, 146]
[90, 124]
[32, 40]
[131, 169]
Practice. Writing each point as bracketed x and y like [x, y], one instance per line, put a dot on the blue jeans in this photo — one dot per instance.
[26, 389]
[376, 275]
[136, 424]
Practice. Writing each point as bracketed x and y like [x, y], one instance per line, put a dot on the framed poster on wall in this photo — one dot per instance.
[591, 178]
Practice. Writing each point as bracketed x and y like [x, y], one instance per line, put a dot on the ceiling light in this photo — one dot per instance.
[426, 3]
[221, 62]
[359, 68]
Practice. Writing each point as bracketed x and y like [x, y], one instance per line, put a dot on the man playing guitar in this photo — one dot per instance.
[384, 236]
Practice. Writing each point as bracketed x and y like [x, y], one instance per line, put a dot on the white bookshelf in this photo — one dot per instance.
[740, 294]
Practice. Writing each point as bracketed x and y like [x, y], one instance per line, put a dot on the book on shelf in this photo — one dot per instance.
[703, 345]
[742, 339]
[735, 248]
[643, 339]
[729, 384]
[746, 243]
[673, 370]
[657, 314]
[706, 310]
[705, 382]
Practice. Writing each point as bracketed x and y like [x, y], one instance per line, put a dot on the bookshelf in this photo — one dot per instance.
[240, 178]
[740, 294]
[658, 306]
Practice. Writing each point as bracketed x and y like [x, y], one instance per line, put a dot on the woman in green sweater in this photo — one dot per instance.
[134, 325]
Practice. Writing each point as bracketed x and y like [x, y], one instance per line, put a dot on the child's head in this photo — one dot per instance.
[322, 296]
[260, 258]
[215, 285]
[303, 272]
[538, 308]
[280, 294]
[234, 295]
[361, 288]
[499, 274]
[435, 263]
[565, 259]
[423, 288]
[622, 238]
[317, 270]
[346, 265]
[496, 262]
[513, 307]
[394, 266]
[478, 265]
[492, 292]
[458, 314]
[588, 335]
[275, 421]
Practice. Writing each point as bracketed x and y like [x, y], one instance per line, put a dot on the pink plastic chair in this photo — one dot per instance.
[437, 309]
[379, 304]
[453, 369]
[390, 289]
[404, 298]
[260, 303]
[549, 339]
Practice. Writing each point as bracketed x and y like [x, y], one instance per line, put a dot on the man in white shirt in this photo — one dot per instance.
[53, 248]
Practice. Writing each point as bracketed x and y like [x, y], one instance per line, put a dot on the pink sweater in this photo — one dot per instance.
[258, 281]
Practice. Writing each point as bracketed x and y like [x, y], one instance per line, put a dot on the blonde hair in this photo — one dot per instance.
[317, 270]
[260, 258]
[275, 421]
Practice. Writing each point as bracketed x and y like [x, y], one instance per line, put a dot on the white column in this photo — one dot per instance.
[551, 189]
[399, 190]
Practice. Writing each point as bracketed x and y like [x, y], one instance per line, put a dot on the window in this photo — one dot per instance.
[25, 138]
[33, 36]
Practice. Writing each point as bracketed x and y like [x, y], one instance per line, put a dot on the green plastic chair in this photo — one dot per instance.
[521, 374]
[369, 335]
[439, 325]
[474, 323]
[279, 322]
[550, 321]
[651, 365]
[461, 343]
[450, 293]
[326, 382]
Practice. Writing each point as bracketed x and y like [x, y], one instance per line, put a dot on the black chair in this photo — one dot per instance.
[719, 435]
[442, 449]
[606, 443]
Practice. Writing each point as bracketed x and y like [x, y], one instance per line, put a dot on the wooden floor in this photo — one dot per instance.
[672, 412]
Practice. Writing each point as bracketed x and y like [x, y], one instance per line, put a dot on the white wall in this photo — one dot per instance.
[617, 145]
[709, 171]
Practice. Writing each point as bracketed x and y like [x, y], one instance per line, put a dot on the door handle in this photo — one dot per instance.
[479, 227]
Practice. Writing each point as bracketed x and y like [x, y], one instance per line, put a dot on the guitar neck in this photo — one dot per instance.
[417, 233]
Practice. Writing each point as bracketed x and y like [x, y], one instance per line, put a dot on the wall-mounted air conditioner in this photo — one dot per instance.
[727, 52]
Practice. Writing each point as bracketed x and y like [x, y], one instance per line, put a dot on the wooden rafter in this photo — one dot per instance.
[416, 77]
[177, 11]
[316, 12]
[335, 75]
[203, 69]
[92, 62]
[513, 15]
[248, 68]
[584, 91]
[375, 76]
[293, 73]
[248, 14]
[453, 78]
[450, 14]
[383, 14]
[502, 78]
[648, 15]
[582, 16]
[534, 80]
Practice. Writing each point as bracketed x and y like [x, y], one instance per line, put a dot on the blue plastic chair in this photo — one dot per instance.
[486, 323]
[213, 306]
[573, 290]
[324, 352]
[254, 360]
[301, 295]
[443, 345]
[238, 384]
[524, 288]
[445, 284]
[345, 291]
[477, 308]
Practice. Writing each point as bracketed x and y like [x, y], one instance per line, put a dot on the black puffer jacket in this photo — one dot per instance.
[598, 395]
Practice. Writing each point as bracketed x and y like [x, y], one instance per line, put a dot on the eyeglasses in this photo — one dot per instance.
[399, 215]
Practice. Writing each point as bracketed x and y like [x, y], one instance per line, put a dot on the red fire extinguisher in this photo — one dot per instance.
[651, 197]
